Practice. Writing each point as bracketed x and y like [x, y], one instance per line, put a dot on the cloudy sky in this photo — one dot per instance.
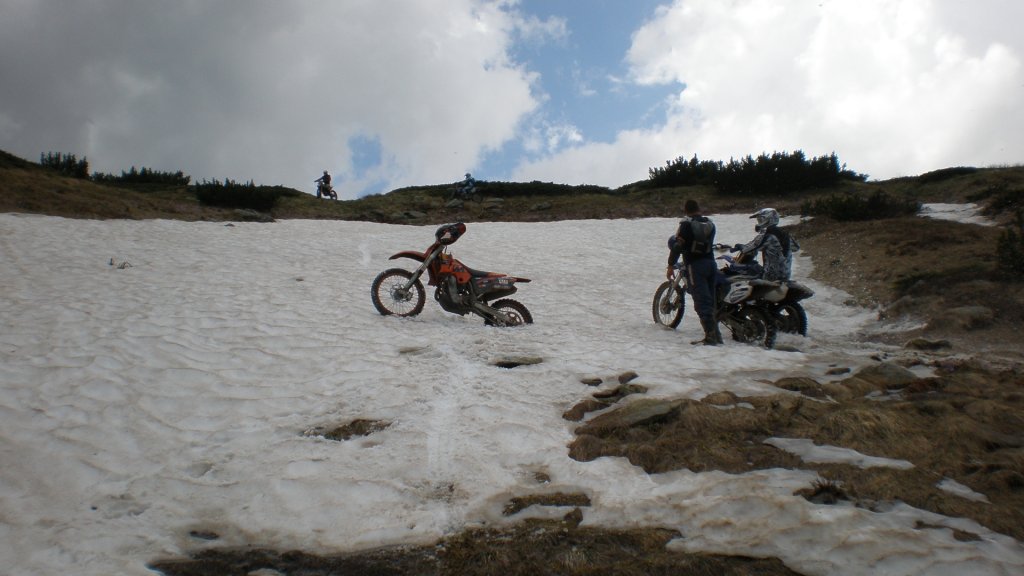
[390, 93]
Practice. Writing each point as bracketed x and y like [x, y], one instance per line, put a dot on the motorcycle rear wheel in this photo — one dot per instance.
[391, 300]
[791, 318]
[518, 314]
[755, 326]
[665, 311]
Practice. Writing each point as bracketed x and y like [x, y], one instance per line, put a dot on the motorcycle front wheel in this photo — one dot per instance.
[668, 305]
[791, 318]
[754, 326]
[390, 297]
[517, 313]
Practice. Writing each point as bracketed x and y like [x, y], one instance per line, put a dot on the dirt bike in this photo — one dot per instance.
[743, 302]
[782, 301]
[459, 289]
[736, 302]
[670, 299]
[324, 189]
[753, 309]
[464, 193]
[737, 305]
[788, 313]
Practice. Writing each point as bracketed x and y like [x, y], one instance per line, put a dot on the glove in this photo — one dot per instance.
[736, 248]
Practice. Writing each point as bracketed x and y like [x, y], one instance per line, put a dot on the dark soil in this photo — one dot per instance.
[531, 548]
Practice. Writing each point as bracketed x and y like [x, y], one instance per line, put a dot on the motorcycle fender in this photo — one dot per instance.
[411, 254]
[798, 292]
[777, 294]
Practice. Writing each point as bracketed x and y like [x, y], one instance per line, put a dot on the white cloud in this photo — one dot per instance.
[265, 90]
[893, 87]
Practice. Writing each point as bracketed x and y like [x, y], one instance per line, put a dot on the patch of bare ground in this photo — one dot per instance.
[946, 277]
[530, 548]
[965, 424]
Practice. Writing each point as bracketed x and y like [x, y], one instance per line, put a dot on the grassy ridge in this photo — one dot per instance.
[27, 187]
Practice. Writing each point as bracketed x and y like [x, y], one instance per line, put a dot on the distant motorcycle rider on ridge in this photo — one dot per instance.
[694, 240]
[323, 186]
[467, 187]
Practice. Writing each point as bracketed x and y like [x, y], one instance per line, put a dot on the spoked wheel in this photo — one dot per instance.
[791, 318]
[517, 313]
[390, 297]
[668, 305]
[754, 327]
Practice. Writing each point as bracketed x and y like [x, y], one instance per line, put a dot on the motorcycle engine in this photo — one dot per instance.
[449, 297]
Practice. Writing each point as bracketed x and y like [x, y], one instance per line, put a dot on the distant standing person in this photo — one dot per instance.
[694, 241]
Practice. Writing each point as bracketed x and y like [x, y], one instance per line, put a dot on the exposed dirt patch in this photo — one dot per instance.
[517, 361]
[519, 504]
[966, 425]
[358, 427]
[945, 276]
[531, 548]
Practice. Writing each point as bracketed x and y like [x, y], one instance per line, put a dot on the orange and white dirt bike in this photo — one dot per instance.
[458, 289]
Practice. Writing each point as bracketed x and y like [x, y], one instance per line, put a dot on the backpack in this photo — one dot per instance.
[703, 236]
[785, 240]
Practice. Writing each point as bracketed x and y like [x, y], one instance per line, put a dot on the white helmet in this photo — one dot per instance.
[766, 218]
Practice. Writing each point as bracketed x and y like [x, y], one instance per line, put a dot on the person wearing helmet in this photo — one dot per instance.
[323, 184]
[775, 245]
[467, 187]
[694, 240]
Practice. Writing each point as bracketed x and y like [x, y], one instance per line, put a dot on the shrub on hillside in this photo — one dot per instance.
[230, 194]
[945, 174]
[1010, 248]
[144, 176]
[777, 173]
[850, 207]
[66, 164]
[537, 188]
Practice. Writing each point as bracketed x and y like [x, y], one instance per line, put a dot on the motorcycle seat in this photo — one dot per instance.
[480, 273]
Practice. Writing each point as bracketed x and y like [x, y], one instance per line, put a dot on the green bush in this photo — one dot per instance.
[144, 176]
[230, 194]
[945, 174]
[777, 173]
[1010, 248]
[512, 189]
[66, 164]
[851, 207]
[537, 188]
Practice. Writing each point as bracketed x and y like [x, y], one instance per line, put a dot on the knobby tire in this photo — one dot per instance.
[389, 301]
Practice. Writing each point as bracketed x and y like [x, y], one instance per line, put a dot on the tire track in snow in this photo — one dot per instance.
[447, 434]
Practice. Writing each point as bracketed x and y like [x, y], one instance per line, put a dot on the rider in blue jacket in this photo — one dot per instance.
[694, 241]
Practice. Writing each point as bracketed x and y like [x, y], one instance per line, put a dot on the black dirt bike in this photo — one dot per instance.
[754, 310]
[325, 190]
[736, 305]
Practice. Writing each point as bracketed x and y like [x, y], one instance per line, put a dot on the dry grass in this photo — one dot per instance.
[968, 426]
[529, 549]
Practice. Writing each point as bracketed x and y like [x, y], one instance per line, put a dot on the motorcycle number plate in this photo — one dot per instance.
[739, 292]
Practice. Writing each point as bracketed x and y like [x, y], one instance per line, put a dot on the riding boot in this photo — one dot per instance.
[717, 334]
[712, 337]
